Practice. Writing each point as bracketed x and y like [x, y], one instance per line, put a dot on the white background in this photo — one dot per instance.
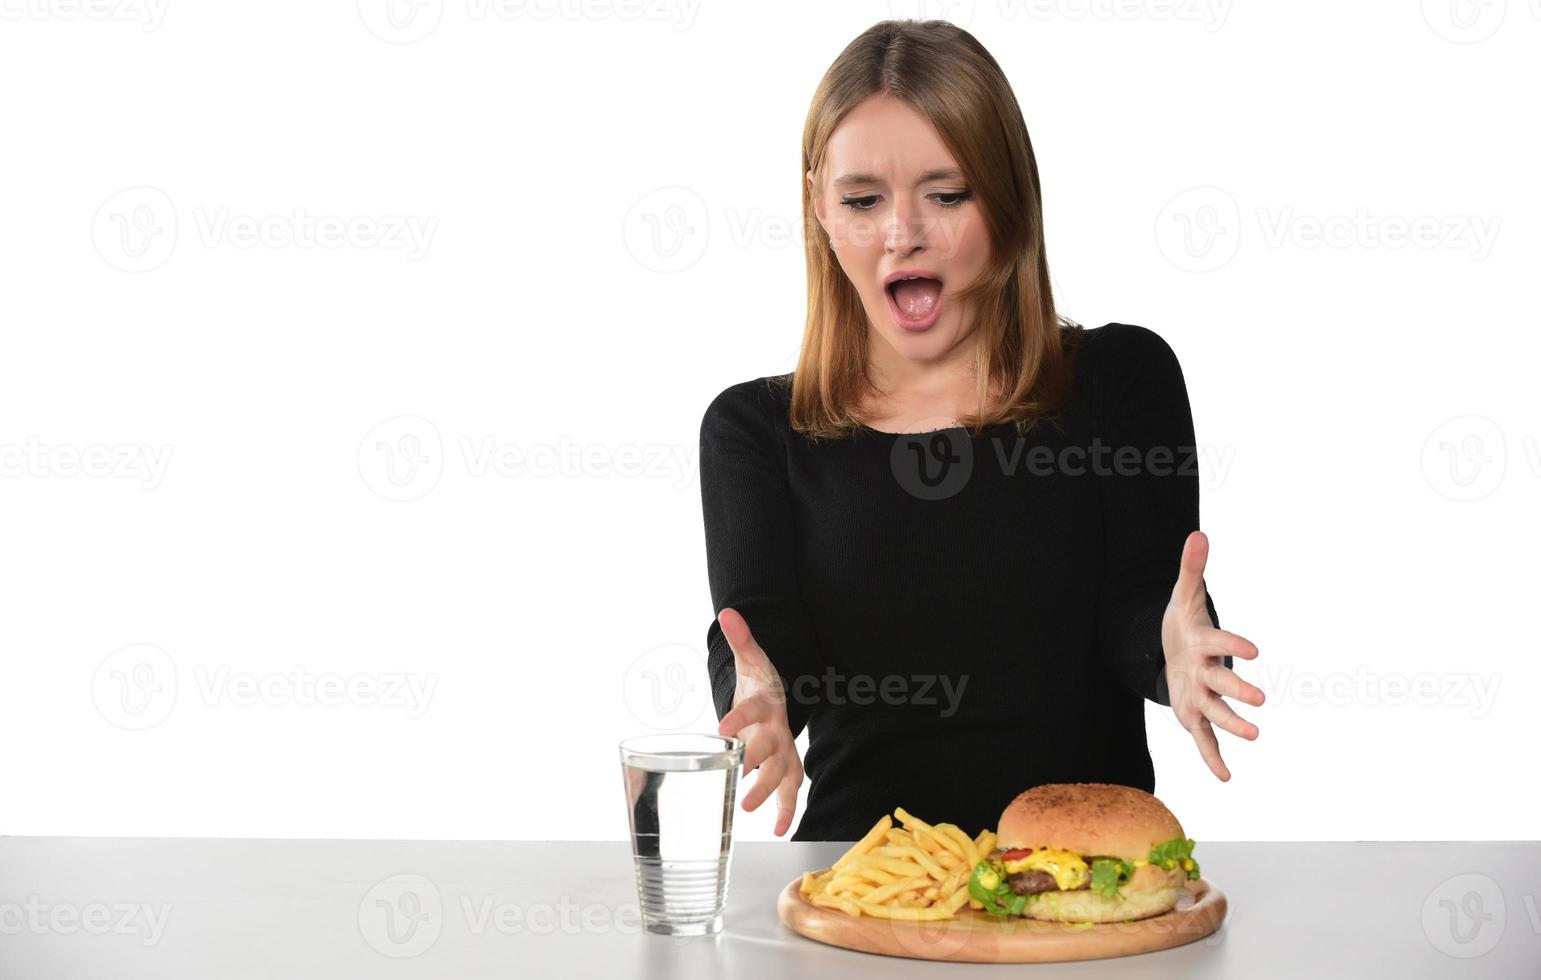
[567, 229]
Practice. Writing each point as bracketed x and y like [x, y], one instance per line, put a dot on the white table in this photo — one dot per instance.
[122, 908]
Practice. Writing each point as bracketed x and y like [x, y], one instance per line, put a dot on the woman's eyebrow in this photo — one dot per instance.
[950, 173]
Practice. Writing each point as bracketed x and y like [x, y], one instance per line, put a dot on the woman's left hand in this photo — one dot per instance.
[1195, 674]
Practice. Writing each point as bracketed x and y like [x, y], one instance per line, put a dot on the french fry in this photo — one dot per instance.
[877, 833]
[846, 905]
[970, 853]
[914, 872]
[914, 823]
[890, 912]
[887, 891]
[956, 900]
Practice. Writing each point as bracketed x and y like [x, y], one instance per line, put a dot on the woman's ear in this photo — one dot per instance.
[818, 201]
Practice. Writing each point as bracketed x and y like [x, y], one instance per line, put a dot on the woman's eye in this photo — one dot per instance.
[943, 199]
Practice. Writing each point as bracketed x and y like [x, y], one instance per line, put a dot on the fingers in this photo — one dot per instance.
[786, 794]
[1236, 646]
[1209, 748]
[1221, 714]
[1223, 680]
[747, 712]
[761, 746]
[767, 778]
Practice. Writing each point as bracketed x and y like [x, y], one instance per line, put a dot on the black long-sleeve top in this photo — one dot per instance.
[957, 620]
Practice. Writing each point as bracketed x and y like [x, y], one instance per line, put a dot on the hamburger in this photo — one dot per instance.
[1084, 853]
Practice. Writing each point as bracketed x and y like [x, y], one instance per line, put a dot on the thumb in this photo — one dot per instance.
[736, 630]
[1190, 576]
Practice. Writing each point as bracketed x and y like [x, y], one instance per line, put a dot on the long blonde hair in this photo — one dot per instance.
[951, 79]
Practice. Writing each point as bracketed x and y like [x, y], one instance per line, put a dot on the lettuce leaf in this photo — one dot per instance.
[1108, 874]
[1174, 853]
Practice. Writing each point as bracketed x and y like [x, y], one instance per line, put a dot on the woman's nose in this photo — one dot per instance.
[904, 231]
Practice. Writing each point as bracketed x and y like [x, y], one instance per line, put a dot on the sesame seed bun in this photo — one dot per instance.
[1087, 819]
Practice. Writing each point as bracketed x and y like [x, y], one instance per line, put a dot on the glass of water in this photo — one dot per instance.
[680, 790]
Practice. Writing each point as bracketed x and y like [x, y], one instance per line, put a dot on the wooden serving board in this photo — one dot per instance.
[974, 936]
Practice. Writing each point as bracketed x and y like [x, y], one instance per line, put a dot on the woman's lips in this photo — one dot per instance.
[917, 305]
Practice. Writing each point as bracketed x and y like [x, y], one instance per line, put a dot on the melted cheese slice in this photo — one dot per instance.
[1068, 869]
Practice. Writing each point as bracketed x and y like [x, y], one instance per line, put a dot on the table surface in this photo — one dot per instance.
[78, 907]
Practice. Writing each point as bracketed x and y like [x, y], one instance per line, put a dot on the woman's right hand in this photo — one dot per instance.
[759, 717]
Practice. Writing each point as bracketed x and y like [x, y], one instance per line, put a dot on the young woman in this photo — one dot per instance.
[960, 542]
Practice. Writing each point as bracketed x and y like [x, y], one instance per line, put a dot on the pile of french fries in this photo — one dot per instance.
[918, 872]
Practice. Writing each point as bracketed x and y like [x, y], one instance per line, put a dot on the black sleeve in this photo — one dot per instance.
[1149, 506]
[750, 564]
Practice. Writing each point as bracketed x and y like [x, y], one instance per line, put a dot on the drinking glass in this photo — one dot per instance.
[680, 789]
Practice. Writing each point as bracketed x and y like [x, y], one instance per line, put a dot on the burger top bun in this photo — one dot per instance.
[1101, 819]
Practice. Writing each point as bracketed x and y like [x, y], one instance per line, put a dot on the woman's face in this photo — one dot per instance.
[893, 201]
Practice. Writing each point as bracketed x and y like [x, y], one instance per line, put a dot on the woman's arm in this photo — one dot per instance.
[1159, 626]
[1149, 487]
[750, 554]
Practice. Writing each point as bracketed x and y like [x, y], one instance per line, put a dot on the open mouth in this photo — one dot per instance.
[915, 300]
